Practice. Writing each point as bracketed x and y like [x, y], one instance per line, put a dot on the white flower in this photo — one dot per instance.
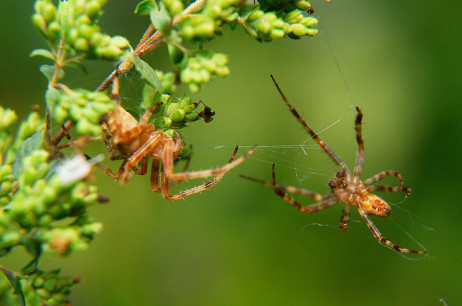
[76, 168]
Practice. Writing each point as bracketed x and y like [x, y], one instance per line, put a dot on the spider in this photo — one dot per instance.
[347, 187]
[133, 142]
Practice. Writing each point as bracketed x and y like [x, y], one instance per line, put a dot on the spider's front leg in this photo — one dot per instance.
[282, 192]
[381, 176]
[169, 151]
[166, 189]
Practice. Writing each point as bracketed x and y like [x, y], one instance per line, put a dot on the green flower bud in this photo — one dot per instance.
[177, 115]
[38, 282]
[309, 21]
[50, 284]
[81, 44]
[293, 15]
[194, 87]
[255, 15]
[119, 42]
[277, 33]
[40, 23]
[49, 12]
[298, 29]
[93, 10]
[7, 118]
[311, 32]
[222, 72]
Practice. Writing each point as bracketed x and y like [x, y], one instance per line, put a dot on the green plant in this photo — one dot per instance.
[44, 195]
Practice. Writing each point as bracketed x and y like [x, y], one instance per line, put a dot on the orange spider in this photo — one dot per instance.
[347, 187]
[133, 142]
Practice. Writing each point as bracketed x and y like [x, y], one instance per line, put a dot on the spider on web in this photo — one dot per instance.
[347, 187]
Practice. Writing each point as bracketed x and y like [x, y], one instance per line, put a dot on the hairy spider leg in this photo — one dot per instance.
[382, 175]
[168, 165]
[155, 175]
[182, 194]
[315, 136]
[359, 139]
[379, 236]
[345, 218]
[282, 192]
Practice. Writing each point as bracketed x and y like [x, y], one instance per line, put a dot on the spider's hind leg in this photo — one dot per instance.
[379, 236]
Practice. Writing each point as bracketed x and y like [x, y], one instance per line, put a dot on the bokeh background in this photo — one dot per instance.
[238, 244]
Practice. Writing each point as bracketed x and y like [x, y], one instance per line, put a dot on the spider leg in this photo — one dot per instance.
[345, 218]
[144, 167]
[315, 136]
[196, 189]
[315, 196]
[382, 175]
[281, 191]
[359, 140]
[389, 188]
[109, 172]
[142, 152]
[155, 176]
[168, 165]
[144, 120]
[379, 236]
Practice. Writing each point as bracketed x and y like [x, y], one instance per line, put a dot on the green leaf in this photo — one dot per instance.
[176, 55]
[161, 21]
[16, 284]
[145, 7]
[48, 71]
[42, 52]
[78, 65]
[147, 73]
[29, 145]
[52, 96]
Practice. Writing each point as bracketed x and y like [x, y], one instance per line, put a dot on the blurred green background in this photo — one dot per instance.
[239, 244]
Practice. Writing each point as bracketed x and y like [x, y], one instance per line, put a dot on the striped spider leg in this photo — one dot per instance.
[347, 187]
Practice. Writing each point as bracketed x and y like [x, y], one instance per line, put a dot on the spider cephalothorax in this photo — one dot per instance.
[347, 187]
[133, 142]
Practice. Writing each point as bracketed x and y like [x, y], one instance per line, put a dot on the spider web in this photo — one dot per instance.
[294, 159]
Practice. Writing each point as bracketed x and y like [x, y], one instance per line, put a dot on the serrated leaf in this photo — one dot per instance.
[145, 7]
[147, 73]
[160, 20]
[42, 52]
[29, 145]
[16, 284]
[78, 65]
[48, 71]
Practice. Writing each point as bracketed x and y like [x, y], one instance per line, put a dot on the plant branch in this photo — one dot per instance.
[147, 44]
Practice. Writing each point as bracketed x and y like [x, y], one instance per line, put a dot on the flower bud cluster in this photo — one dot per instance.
[49, 287]
[285, 5]
[203, 26]
[174, 7]
[83, 107]
[176, 112]
[266, 26]
[42, 198]
[168, 80]
[202, 66]
[7, 120]
[27, 128]
[75, 23]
